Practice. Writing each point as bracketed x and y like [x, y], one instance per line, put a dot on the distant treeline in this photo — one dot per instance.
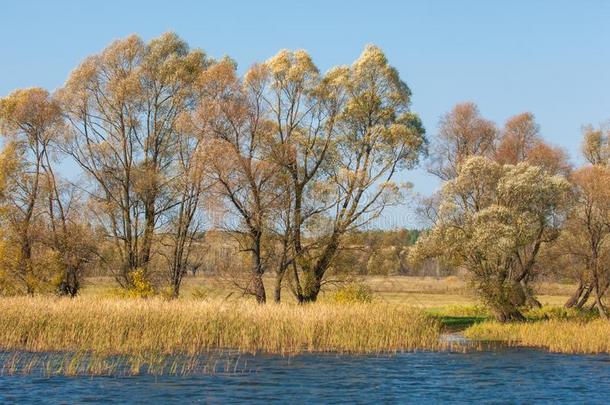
[370, 252]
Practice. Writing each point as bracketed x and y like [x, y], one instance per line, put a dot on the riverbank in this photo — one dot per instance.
[118, 326]
[138, 326]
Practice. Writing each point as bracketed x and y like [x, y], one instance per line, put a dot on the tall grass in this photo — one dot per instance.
[556, 335]
[122, 326]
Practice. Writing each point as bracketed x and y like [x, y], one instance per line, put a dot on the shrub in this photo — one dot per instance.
[353, 293]
[141, 287]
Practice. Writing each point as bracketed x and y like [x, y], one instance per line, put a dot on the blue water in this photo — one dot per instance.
[501, 376]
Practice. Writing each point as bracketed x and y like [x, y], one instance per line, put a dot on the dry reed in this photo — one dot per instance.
[123, 326]
[556, 335]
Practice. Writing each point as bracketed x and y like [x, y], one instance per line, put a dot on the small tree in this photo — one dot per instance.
[596, 145]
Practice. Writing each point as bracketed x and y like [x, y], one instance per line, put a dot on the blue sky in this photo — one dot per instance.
[548, 57]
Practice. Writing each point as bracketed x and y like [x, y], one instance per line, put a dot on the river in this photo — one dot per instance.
[508, 375]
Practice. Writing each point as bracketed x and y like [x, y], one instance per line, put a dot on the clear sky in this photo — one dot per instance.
[548, 57]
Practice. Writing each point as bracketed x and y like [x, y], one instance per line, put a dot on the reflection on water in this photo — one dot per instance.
[498, 376]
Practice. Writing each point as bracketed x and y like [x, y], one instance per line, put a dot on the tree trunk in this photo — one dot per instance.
[25, 264]
[530, 300]
[70, 285]
[574, 298]
[584, 297]
[598, 301]
[600, 307]
[507, 314]
[149, 231]
[312, 280]
[175, 289]
[259, 289]
[311, 289]
[277, 292]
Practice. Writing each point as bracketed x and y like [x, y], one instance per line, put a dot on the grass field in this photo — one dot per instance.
[420, 292]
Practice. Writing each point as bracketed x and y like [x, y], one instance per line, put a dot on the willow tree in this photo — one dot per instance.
[235, 133]
[586, 237]
[596, 151]
[340, 138]
[520, 141]
[596, 145]
[488, 213]
[28, 119]
[123, 105]
[462, 133]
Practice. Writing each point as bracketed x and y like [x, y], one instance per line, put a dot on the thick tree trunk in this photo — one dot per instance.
[312, 282]
[574, 298]
[311, 288]
[71, 284]
[507, 314]
[584, 297]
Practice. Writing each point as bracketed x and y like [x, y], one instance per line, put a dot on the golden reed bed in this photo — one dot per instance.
[123, 326]
[557, 335]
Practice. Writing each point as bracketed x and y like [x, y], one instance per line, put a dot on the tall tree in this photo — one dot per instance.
[123, 105]
[340, 138]
[230, 119]
[520, 141]
[28, 119]
[586, 237]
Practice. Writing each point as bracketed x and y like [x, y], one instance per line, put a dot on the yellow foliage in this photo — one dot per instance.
[141, 287]
[353, 293]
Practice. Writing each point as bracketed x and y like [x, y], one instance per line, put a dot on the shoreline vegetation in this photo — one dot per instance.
[569, 336]
[94, 327]
[136, 326]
